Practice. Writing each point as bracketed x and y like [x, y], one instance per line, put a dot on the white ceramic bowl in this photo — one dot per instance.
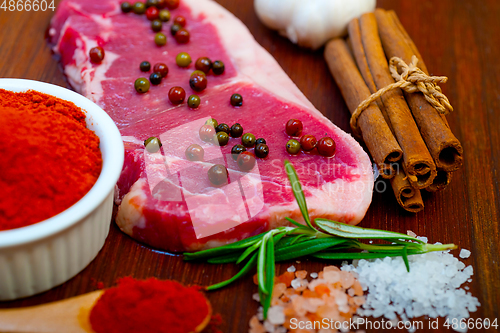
[38, 257]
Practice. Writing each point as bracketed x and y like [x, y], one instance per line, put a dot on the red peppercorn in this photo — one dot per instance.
[207, 133]
[218, 175]
[198, 82]
[195, 152]
[182, 36]
[294, 127]
[203, 64]
[176, 95]
[246, 161]
[326, 147]
[161, 69]
[180, 20]
[308, 142]
[161, 4]
[152, 13]
[172, 4]
[96, 54]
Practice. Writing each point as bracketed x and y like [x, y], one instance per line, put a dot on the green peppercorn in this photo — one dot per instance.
[236, 130]
[160, 39]
[126, 7]
[222, 128]
[236, 150]
[223, 138]
[212, 122]
[260, 140]
[194, 101]
[155, 78]
[197, 72]
[164, 15]
[183, 59]
[152, 144]
[141, 85]
[218, 67]
[293, 147]
[145, 66]
[261, 150]
[248, 140]
[236, 100]
[156, 25]
[139, 8]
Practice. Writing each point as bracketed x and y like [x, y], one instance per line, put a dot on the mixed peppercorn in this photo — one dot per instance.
[294, 127]
[250, 147]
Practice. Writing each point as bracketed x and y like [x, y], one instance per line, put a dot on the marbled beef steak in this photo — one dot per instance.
[167, 201]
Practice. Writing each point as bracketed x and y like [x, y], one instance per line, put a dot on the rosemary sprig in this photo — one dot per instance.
[323, 239]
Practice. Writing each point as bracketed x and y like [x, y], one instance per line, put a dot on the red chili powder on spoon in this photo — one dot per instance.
[149, 306]
[49, 159]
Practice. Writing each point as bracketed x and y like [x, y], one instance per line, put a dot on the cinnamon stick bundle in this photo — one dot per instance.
[407, 196]
[444, 147]
[375, 132]
[418, 163]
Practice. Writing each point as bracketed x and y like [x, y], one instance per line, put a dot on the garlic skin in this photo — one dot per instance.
[311, 23]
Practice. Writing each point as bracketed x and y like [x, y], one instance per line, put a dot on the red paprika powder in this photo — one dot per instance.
[49, 159]
[149, 306]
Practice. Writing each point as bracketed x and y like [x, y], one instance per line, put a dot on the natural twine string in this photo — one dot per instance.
[412, 79]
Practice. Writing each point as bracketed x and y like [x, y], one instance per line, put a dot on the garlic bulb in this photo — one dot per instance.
[311, 23]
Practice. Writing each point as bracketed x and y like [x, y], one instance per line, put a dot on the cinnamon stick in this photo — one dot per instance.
[444, 147]
[374, 129]
[442, 180]
[417, 161]
[407, 196]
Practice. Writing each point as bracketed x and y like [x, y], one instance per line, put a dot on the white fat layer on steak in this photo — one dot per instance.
[131, 208]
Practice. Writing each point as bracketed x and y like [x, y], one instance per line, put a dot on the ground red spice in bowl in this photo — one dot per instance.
[149, 306]
[49, 159]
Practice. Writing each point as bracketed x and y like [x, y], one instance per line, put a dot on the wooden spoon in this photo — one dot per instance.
[67, 316]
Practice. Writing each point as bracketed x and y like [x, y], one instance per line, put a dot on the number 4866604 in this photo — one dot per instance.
[27, 5]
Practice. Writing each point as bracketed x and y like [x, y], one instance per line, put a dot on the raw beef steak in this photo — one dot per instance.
[166, 200]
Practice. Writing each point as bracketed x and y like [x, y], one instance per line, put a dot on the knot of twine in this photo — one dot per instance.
[412, 79]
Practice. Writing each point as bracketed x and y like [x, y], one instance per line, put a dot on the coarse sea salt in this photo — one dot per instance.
[464, 254]
[432, 287]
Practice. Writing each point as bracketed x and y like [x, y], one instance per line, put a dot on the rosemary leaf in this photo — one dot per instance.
[261, 266]
[295, 223]
[270, 271]
[306, 248]
[405, 257]
[358, 255]
[242, 244]
[297, 192]
[249, 251]
[351, 231]
[248, 266]
[224, 259]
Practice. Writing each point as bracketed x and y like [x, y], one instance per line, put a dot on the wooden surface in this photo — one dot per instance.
[458, 39]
